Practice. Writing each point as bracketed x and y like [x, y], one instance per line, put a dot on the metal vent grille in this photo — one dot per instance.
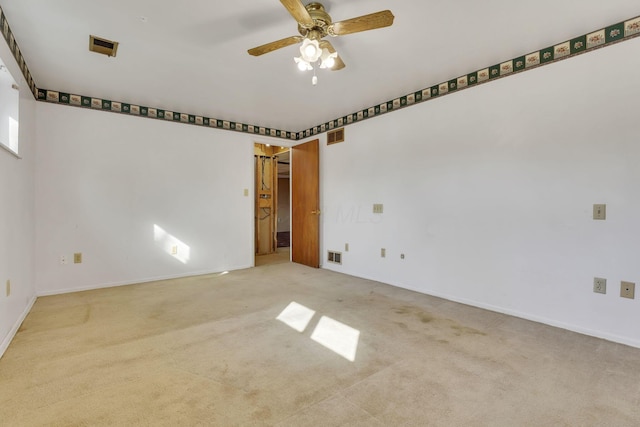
[335, 136]
[334, 257]
[103, 46]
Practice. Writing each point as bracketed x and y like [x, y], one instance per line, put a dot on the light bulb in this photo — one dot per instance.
[302, 64]
[328, 59]
[330, 62]
[314, 80]
[310, 50]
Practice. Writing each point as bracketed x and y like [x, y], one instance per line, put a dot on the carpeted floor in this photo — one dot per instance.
[281, 255]
[286, 345]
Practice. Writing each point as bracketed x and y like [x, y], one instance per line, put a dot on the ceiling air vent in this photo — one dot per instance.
[335, 136]
[103, 46]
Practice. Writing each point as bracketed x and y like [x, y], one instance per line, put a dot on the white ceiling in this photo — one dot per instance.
[191, 55]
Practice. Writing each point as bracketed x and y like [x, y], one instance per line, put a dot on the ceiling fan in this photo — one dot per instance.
[314, 24]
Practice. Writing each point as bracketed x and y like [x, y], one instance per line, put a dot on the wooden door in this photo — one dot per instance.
[305, 204]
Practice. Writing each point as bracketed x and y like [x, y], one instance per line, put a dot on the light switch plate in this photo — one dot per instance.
[378, 208]
[600, 212]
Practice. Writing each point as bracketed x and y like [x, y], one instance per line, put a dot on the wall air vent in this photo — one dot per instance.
[335, 136]
[103, 46]
[334, 257]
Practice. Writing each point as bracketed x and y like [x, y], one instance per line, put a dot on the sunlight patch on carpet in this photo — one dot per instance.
[337, 337]
[297, 316]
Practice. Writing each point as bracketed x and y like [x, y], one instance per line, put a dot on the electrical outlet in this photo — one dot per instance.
[77, 258]
[346, 247]
[599, 285]
[383, 252]
[628, 290]
[63, 259]
[378, 208]
[8, 287]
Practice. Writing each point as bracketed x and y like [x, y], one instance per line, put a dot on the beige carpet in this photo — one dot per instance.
[281, 255]
[210, 351]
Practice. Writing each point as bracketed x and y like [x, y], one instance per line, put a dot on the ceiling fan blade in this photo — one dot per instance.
[361, 23]
[270, 47]
[339, 64]
[299, 12]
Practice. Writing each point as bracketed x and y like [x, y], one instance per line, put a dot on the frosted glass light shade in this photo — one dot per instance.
[310, 50]
[302, 64]
[328, 59]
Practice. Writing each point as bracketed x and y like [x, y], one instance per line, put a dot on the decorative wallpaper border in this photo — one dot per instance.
[17, 54]
[604, 37]
[157, 113]
[609, 35]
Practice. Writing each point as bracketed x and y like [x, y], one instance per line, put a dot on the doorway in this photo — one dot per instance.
[278, 237]
[272, 204]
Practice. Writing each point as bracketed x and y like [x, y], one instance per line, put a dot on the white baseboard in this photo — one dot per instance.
[526, 316]
[131, 282]
[538, 319]
[551, 322]
[14, 330]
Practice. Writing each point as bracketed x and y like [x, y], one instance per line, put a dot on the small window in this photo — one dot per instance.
[9, 99]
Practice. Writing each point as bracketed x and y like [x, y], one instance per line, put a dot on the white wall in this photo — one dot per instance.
[104, 180]
[489, 193]
[17, 215]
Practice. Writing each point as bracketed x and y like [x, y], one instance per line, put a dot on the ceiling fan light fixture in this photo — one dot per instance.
[314, 24]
